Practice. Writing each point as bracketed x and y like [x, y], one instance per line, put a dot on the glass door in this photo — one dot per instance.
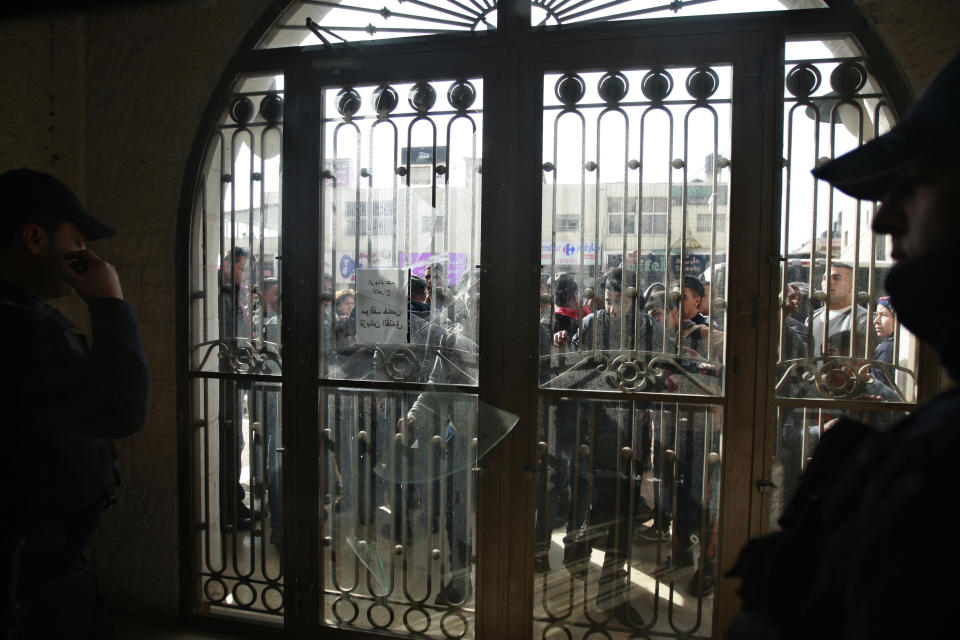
[636, 194]
[400, 426]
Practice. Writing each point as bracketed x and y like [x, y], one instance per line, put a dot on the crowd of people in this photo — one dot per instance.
[586, 486]
[594, 454]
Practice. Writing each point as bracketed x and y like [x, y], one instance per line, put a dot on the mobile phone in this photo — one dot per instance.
[78, 263]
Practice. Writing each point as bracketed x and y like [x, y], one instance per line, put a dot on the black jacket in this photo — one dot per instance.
[840, 567]
[63, 403]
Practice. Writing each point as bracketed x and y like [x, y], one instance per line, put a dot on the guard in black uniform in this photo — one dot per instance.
[63, 403]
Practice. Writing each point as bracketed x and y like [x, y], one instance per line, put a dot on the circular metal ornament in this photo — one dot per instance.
[455, 613]
[241, 357]
[848, 78]
[422, 97]
[272, 598]
[836, 379]
[385, 100]
[702, 83]
[241, 110]
[337, 614]
[461, 95]
[271, 107]
[215, 590]
[348, 102]
[244, 594]
[570, 89]
[390, 615]
[558, 625]
[803, 80]
[422, 611]
[656, 85]
[613, 87]
[627, 374]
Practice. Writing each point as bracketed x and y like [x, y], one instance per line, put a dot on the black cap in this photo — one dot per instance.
[930, 126]
[418, 285]
[25, 191]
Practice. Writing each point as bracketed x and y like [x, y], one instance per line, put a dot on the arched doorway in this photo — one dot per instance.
[456, 468]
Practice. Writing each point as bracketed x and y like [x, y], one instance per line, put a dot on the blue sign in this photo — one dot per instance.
[569, 249]
[347, 266]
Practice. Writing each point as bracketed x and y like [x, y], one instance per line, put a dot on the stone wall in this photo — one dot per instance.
[150, 72]
[110, 101]
[922, 35]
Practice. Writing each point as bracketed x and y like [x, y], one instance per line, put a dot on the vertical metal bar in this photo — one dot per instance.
[669, 234]
[474, 170]
[597, 261]
[784, 270]
[446, 184]
[373, 212]
[713, 225]
[553, 224]
[263, 219]
[829, 263]
[583, 225]
[835, 116]
[683, 225]
[813, 233]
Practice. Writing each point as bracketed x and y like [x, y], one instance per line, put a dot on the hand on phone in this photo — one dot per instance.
[79, 264]
[91, 276]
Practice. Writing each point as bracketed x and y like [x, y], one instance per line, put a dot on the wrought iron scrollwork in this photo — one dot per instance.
[628, 373]
[399, 364]
[639, 371]
[242, 355]
[842, 378]
[839, 379]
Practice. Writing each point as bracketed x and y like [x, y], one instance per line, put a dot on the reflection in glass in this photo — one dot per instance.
[627, 496]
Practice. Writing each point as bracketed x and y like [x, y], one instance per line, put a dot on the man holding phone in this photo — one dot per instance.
[62, 406]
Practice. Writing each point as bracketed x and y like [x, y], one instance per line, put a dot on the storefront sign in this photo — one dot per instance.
[568, 253]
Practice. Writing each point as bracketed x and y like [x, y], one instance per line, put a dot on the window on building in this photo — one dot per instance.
[375, 218]
[653, 223]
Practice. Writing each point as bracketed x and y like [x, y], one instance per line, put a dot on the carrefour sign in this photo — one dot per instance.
[568, 253]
